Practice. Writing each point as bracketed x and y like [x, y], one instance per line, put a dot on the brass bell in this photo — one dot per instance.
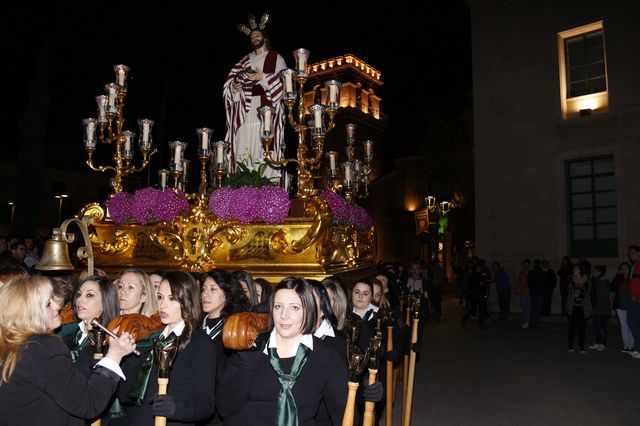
[55, 255]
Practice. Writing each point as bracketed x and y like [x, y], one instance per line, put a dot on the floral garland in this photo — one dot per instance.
[146, 205]
[245, 204]
[248, 204]
[345, 213]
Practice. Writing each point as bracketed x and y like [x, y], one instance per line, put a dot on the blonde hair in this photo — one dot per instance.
[23, 313]
[339, 300]
[150, 306]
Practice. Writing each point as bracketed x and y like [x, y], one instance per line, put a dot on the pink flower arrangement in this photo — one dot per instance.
[145, 206]
[248, 204]
[345, 213]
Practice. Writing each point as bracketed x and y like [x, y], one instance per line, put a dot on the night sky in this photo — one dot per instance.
[180, 55]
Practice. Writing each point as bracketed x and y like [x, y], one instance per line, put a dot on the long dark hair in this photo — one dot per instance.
[110, 306]
[185, 290]
[266, 287]
[305, 293]
[325, 303]
[246, 277]
[235, 299]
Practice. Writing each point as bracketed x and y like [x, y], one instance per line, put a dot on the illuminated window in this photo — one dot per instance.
[584, 55]
[583, 71]
[593, 214]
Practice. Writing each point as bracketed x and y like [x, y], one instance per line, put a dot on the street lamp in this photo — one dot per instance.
[13, 209]
[60, 197]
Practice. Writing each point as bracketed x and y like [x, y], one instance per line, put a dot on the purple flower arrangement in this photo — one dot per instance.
[145, 206]
[345, 213]
[248, 204]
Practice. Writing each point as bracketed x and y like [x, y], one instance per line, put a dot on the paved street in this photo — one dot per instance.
[507, 375]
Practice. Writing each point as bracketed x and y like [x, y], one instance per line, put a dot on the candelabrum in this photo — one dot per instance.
[309, 152]
[352, 178]
[108, 129]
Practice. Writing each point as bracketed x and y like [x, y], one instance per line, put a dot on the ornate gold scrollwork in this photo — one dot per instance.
[322, 219]
[193, 237]
[121, 243]
[93, 210]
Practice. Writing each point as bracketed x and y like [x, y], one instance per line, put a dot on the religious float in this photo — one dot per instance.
[315, 233]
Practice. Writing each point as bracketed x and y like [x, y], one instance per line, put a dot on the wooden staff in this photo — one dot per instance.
[370, 407]
[390, 384]
[405, 362]
[349, 411]
[374, 362]
[97, 338]
[163, 357]
[406, 418]
[356, 367]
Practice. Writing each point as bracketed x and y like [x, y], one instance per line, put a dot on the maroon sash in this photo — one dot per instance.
[268, 68]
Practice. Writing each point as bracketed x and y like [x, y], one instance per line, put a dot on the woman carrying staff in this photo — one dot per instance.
[39, 384]
[191, 392]
[136, 294]
[284, 382]
[95, 298]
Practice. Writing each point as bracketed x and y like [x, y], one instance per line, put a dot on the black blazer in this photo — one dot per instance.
[192, 383]
[251, 388]
[46, 388]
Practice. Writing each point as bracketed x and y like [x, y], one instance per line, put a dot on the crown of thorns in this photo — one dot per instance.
[253, 25]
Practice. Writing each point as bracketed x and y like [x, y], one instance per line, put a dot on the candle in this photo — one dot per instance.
[205, 141]
[332, 160]
[127, 143]
[317, 118]
[91, 129]
[178, 158]
[347, 173]
[368, 146]
[267, 120]
[163, 180]
[219, 153]
[351, 130]
[332, 94]
[145, 131]
[102, 110]
[302, 63]
[185, 168]
[288, 84]
[120, 77]
[112, 97]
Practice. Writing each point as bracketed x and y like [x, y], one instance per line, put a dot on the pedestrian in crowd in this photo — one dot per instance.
[601, 306]
[522, 289]
[550, 285]
[633, 311]
[579, 307]
[476, 295]
[503, 289]
[537, 282]
[565, 273]
[620, 286]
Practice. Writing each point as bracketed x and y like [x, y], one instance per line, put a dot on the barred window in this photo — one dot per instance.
[593, 226]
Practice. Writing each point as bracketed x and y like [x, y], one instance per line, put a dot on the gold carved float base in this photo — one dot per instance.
[309, 245]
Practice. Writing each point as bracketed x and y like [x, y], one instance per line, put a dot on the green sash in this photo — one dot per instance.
[215, 330]
[77, 346]
[287, 414]
[139, 387]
